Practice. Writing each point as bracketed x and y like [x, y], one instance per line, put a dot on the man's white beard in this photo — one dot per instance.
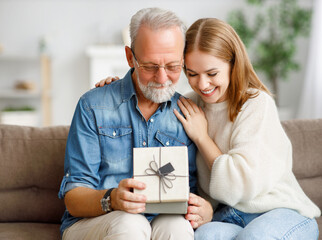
[156, 95]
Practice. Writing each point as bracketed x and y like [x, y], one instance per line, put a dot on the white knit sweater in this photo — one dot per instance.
[254, 173]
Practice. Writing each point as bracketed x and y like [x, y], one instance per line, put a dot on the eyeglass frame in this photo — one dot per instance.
[156, 67]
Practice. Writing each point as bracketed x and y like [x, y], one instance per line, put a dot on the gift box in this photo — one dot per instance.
[165, 171]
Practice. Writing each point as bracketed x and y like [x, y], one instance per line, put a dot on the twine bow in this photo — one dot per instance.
[165, 178]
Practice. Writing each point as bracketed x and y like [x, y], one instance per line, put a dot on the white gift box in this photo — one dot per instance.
[165, 171]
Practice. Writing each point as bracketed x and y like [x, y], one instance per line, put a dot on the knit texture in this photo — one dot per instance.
[254, 173]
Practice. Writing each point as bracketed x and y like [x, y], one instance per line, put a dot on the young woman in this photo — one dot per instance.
[245, 158]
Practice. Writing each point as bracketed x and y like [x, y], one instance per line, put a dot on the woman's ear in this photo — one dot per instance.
[129, 56]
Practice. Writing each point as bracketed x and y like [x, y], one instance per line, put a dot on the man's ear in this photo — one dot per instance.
[129, 56]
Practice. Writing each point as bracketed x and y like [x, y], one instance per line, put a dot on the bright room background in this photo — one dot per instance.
[72, 36]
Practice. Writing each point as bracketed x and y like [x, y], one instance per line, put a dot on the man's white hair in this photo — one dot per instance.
[154, 18]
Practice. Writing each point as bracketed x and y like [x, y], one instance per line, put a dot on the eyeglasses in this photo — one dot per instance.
[154, 68]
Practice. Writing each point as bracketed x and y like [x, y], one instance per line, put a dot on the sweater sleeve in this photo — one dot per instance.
[259, 154]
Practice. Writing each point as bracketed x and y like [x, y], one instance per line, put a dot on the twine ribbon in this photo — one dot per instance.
[165, 179]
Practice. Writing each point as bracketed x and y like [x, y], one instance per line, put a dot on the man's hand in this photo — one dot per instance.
[199, 211]
[85, 202]
[122, 198]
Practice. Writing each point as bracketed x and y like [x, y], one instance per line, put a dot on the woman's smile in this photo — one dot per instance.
[209, 92]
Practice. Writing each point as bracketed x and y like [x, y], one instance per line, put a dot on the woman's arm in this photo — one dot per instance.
[196, 126]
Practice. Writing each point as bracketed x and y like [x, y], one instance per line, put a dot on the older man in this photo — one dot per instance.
[136, 111]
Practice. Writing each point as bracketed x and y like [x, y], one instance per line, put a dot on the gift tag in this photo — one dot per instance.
[166, 169]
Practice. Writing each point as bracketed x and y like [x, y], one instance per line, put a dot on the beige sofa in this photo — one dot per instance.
[32, 162]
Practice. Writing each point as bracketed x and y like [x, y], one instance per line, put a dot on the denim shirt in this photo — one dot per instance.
[106, 126]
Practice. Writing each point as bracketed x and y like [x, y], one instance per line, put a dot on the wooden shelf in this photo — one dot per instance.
[12, 93]
[40, 68]
[16, 58]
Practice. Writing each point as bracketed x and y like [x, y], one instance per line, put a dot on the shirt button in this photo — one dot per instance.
[152, 120]
[67, 174]
[167, 143]
[114, 134]
[144, 143]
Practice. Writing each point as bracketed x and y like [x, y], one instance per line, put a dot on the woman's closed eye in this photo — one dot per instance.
[212, 74]
[192, 74]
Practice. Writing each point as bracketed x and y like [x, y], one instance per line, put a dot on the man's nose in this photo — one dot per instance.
[161, 75]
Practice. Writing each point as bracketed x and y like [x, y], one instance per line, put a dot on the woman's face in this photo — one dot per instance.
[208, 76]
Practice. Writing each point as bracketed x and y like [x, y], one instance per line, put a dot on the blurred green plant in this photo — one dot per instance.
[272, 36]
[15, 109]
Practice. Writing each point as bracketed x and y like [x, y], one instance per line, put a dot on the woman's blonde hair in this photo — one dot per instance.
[219, 39]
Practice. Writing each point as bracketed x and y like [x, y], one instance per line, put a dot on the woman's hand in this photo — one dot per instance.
[106, 81]
[199, 211]
[194, 122]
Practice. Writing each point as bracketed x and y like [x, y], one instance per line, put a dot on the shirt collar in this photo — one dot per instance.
[128, 90]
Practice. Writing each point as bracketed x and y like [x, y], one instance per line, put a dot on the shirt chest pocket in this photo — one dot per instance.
[116, 144]
[166, 140]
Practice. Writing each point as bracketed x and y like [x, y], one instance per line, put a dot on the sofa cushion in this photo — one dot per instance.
[31, 168]
[29, 231]
[306, 138]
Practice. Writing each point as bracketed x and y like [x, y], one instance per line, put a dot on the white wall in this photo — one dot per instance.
[70, 26]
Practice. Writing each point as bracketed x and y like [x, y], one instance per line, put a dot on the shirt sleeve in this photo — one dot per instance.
[82, 156]
[259, 154]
